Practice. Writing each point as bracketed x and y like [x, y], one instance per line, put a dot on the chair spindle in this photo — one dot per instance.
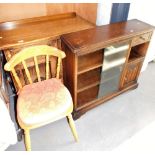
[58, 68]
[47, 67]
[37, 68]
[27, 72]
[16, 78]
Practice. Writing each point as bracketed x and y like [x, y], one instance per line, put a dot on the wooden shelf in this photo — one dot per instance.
[98, 89]
[136, 59]
[89, 78]
[134, 55]
[90, 61]
[88, 86]
[138, 52]
[87, 96]
[95, 77]
[88, 68]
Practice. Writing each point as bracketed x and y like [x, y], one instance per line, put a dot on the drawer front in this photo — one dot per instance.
[10, 52]
[141, 38]
[131, 72]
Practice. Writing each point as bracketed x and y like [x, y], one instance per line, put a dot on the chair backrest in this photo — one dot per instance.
[33, 52]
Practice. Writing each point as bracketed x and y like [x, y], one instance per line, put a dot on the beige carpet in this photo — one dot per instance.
[106, 126]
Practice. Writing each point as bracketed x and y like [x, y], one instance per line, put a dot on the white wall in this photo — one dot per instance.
[144, 10]
[103, 13]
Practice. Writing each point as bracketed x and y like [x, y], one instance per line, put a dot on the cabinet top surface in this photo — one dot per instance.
[104, 34]
[40, 28]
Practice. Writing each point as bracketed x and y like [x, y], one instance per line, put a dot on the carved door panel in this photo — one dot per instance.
[131, 72]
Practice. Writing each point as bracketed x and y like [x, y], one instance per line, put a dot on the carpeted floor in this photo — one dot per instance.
[104, 127]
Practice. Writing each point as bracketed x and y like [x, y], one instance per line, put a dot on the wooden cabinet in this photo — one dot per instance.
[104, 62]
[45, 30]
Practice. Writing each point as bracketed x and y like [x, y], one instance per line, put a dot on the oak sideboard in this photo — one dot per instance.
[104, 61]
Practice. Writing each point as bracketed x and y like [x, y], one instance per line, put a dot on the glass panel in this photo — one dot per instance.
[114, 59]
[109, 84]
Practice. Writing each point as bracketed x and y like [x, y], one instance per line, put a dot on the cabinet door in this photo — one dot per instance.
[132, 71]
[113, 62]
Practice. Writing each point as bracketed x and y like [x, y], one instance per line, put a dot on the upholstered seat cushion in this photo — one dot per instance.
[43, 101]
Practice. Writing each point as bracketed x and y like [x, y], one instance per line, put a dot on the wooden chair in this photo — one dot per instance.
[45, 101]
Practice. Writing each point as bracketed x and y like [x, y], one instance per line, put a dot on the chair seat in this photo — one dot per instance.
[43, 101]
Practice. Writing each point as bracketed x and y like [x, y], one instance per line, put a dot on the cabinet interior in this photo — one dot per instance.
[138, 51]
[90, 61]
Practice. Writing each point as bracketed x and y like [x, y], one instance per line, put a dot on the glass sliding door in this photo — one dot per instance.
[113, 61]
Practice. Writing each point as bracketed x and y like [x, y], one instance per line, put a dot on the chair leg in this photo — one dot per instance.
[27, 140]
[72, 126]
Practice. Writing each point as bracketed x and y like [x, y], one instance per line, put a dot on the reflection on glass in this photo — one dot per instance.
[114, 59]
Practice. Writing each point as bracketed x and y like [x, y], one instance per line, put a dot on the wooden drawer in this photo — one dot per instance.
[132, 72]
[11, 51]
[141, 38]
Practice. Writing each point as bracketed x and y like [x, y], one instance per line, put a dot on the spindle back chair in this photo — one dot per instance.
[26, 114]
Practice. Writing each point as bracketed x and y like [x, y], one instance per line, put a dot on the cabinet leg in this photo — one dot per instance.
[76, 115]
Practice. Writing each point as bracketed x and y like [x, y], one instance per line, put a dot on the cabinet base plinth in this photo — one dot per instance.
[78, 113]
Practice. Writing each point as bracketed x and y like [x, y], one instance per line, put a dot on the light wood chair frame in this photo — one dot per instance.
[20, 57]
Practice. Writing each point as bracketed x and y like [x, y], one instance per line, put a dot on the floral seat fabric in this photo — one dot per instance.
[43, 101]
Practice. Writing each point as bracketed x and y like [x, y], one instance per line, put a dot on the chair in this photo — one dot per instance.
[42, 102]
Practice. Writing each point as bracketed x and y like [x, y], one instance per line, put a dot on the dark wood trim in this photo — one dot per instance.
[82, 110]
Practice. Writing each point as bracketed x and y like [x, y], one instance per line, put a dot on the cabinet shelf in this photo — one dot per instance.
[88, 86]
[87, 96]
[95, 83]
[90, 61]
[138, 52]
[134, 56]
[90, 67]
[97, 90]
[89, 79]
[96, 77]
